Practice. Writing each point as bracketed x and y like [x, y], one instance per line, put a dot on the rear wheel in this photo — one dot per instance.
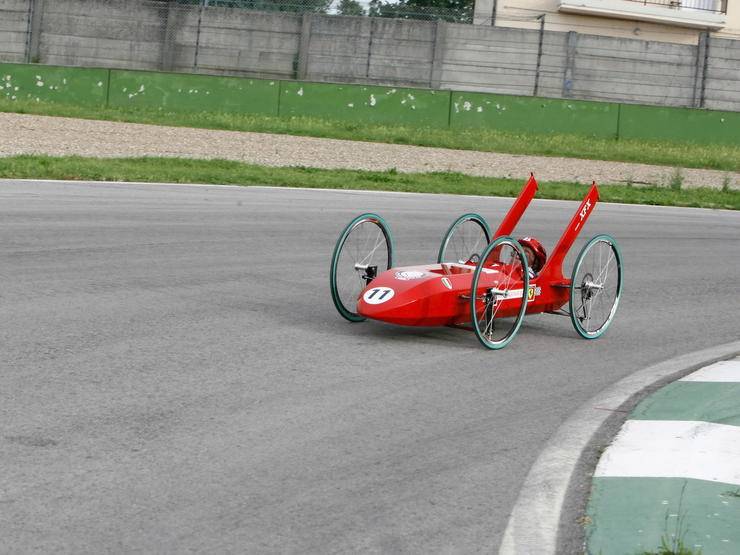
[596, 286]
[363, 250]
[497, 305]
[467, 236]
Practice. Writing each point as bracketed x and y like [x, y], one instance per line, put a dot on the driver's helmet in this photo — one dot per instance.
[540, 254]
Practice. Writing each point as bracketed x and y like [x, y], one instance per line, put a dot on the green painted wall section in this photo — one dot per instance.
[361, 103]
[184, 92]
[679, 124]
[529, 114]
[36, 83]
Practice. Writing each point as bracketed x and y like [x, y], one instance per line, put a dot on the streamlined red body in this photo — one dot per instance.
[488, 287]
[439, 294]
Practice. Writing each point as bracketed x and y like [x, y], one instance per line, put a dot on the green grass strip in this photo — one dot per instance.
[685, 155]
[179, 170]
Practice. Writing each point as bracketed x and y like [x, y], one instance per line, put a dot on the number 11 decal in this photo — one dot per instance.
[378, 295]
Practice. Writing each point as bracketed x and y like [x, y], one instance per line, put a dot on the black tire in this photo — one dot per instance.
[357, 259]
[595, 286]
[468, 235]
[497, 332]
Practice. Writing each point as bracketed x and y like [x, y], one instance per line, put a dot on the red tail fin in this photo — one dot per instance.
[517, 209]
[555, 263]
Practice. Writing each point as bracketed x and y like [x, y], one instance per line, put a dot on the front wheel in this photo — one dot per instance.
[364, 249]
[596, 286]
[498, 293]
[467, 236]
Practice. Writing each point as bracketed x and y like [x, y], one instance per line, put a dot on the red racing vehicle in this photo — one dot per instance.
[481, 281]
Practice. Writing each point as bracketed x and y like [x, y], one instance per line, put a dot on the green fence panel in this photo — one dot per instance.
[533, 115]
[679, 124]
[418, 107]
[192, 93]
[37, 83]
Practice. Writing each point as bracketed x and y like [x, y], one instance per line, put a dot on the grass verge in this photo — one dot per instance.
[719, 157]
[179, 170]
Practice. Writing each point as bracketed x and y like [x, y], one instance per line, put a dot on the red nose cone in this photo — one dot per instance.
[409, 297]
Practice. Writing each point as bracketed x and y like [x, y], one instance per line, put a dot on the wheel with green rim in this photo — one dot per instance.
[467, 236]
[595, 286]
[363, 250]
[498, 304]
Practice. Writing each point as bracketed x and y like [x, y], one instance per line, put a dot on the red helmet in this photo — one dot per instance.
[540, 254]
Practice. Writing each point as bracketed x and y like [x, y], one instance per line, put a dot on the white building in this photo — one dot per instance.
[680, 21]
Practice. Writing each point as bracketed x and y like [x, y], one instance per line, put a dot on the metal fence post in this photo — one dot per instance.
[440, 37]
[705, 70]
[203, 4]
[370, 47]
[29, 18]
[570, 62]
[33, 37]
[304, 44]
[539, 56]
[698, 68]
[166, 61]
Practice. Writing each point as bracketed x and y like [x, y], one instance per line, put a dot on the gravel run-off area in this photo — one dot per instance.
[29, 134]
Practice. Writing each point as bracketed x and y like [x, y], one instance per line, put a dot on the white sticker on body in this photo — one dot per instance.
[409, 275]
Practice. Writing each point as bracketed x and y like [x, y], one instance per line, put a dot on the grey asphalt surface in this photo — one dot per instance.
[174, 376]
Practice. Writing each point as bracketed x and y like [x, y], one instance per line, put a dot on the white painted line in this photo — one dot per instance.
[725, 371]
[674, 449]
[111, 182]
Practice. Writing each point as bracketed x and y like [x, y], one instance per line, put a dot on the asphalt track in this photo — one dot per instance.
[174, 376]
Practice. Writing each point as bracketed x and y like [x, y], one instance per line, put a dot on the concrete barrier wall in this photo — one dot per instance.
[478, 58]
[235, 42]
[723, 75]
[370, 50]
[14, 21]
[363, 103]
[107, 33]
[170, 36]
[634, 70]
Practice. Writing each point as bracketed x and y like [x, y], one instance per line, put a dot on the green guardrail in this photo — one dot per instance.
[363, 103]
[36, 83]
[533, 115]
[183, 92]
[372, 104]
[683, 124]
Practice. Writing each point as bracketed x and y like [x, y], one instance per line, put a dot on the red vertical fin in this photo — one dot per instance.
[555, 262]
[517, 209]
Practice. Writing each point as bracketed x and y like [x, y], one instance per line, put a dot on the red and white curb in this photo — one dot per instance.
[535, 521]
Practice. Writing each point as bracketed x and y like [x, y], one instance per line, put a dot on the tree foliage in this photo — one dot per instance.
[350, 7]
[459, 11]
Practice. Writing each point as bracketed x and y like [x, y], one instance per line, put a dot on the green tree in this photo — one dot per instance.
[460, 11]
[315, 6]
[350, 7]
